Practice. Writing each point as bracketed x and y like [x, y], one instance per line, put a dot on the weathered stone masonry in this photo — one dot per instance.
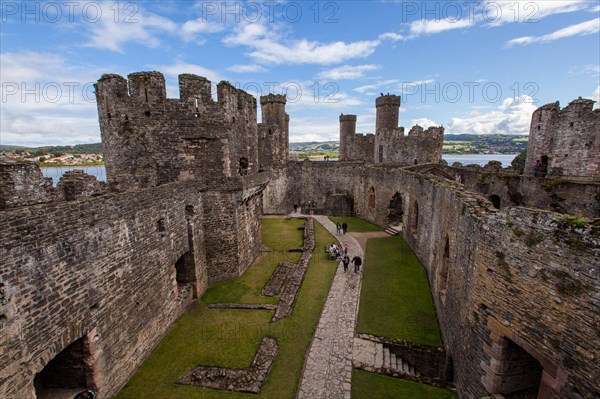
[505, 267]
[106, 269]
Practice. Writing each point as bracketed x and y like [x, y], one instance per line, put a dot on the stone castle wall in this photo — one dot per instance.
[489, 267]
[105, 269]
[329, 185]
[565, 140]
[21, 184]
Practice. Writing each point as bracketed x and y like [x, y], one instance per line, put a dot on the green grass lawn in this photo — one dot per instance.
[229, 338]
[355, 224]
[395, 299]
[367, 385]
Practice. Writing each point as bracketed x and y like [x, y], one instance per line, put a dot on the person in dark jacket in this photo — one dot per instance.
[346, 262]
[357, 263]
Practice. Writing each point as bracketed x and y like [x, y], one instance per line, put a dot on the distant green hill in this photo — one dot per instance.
[95, 148]
[484, 143]
[315, 147]
[453, 144]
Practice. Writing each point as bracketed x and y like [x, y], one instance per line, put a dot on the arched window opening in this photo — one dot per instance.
[243, 169]
[415, 219]
[442, 278]
[495, 200]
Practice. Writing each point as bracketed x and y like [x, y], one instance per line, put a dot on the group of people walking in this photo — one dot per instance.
[338, 253]
[341, 228]
[357, 261]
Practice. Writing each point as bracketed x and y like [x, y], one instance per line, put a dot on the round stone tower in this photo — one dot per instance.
[276, 121]
[388, 110]
[347, 133]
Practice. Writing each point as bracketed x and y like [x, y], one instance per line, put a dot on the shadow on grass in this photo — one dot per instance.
[229, 338]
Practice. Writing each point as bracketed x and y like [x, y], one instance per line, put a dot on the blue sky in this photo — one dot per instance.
[471, 66]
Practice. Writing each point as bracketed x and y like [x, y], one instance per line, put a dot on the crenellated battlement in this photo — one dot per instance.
[273, 98]
[150, 139]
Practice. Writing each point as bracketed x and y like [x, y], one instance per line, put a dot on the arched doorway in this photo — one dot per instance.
[68, 373]
[396, 210]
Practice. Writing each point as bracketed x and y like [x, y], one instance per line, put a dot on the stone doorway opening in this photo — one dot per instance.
[70, 372]
[395, 211]
[523, 374]
[185, 275]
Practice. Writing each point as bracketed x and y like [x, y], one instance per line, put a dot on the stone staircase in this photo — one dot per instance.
[377, 357]
[393, 230]
[391, 362]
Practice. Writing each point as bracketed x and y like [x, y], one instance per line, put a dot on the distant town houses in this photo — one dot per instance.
[49, 158]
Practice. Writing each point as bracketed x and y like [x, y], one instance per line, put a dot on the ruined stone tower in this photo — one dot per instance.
[388, 111]
[391, 145]
[150, 139]
[354, 147]
[566, 142]
[347, 132]
[273, 131]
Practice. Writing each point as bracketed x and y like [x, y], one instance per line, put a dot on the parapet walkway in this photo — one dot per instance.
[328, 367]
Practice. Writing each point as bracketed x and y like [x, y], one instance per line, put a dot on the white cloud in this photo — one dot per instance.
[304, 95]
[178, 68]
[490, 12]
[268, 47]
[583, 28]
[423, 122]
[430, 26]
[593, 70]
[394, 37]
[191, 28]
[371, 88]
[47, 100]
[347, 72]
[311, 129]
[251, 68]
[110, 33]
[497, 12]
[512, 117]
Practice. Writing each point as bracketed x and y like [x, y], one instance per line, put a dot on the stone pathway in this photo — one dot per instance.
[328, 367]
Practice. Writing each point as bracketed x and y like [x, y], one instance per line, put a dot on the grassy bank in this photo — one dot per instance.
[395, 299]
[367, 385]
